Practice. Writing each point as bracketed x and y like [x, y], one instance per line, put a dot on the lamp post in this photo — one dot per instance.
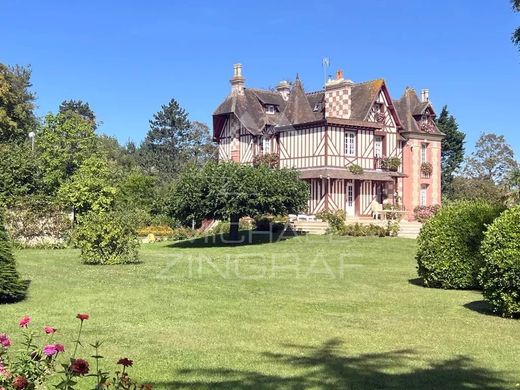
[32, 135]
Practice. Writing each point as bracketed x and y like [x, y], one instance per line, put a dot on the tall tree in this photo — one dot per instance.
[80, 108]
[452, 153]
[493, 159]
[174, 142]
[163, 147]
[17, 117]
[19, 173]
[516, 33]
[230, 191]
[63, 143]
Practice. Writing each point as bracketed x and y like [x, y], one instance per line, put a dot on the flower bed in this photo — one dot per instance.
[36, 365]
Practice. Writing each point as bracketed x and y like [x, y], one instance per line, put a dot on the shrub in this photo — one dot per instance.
[12, 288]
[424, 213]
[335, 219]
[500, 275]
[449, 244]
[356, 169]
[364, 230]
[156, 230]
[223, 227]
[270, 223]
[107, 238]
[182, 233]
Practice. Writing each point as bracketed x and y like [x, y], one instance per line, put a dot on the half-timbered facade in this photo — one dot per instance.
[354, 145]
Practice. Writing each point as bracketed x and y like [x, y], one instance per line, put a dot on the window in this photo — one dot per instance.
[269, 109]
[423, 195]
[266, 145]
[424, 149]
[350, 143]
[378, 146]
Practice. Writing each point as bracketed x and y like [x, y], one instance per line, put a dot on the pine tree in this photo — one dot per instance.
[12, 288]
[452, 149]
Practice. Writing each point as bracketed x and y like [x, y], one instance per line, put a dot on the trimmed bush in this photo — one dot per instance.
[500, 275]
[335, 219]
[449, 244]
[12, 288]
[107, 238]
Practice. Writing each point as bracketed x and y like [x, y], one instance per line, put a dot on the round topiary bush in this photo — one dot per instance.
[500, 274]
[448, 254]
[12, 288]
[107, 238]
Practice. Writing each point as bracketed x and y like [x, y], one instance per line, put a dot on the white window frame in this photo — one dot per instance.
[350, 143]
[270, 109]
[423, 195]
[424, 152]
[266, 145]
[378, 140]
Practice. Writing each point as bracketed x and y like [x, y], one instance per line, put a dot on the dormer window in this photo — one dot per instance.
[270, 109]
[317, 107]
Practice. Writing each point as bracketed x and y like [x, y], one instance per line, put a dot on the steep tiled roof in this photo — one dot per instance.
[363, 96]
[409, 108]
[298, 109]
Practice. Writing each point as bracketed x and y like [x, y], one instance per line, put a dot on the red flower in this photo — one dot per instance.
[24, 322]
[20, 383]
[49, 329]
[125, 362]
[83, 317]
[79, 367]
[59, 347]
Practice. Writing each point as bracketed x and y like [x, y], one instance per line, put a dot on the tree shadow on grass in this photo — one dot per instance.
[417, 282]
[327, 367]
[481, 307]
[246, 237]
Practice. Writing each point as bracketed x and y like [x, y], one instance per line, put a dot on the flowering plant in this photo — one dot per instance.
[37, 363]
[424, 213]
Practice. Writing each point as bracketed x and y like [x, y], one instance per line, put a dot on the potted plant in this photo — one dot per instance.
[355, 169]
[391, 163]
[426, 168]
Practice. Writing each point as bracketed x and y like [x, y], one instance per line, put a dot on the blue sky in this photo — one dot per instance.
[127, 58]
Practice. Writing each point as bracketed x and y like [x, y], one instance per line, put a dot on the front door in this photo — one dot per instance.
[350, 199]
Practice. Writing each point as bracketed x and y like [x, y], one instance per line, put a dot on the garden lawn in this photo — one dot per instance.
[307, 312]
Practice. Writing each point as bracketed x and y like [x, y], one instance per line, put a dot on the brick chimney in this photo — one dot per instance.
[338, 102]
[237, 81]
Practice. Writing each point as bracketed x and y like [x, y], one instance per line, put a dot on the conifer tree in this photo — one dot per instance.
[12, 288]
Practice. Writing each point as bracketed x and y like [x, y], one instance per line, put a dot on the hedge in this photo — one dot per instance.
[448, 253]
[500, 275]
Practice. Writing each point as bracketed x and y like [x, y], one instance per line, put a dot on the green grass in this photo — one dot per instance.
[333, 313]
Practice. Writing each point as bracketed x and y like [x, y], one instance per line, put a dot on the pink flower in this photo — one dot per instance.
[50, 350]
[4, 372]
[4, 340]
[59, 347]
[82, 317]
[24, 322]
[49, 329]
